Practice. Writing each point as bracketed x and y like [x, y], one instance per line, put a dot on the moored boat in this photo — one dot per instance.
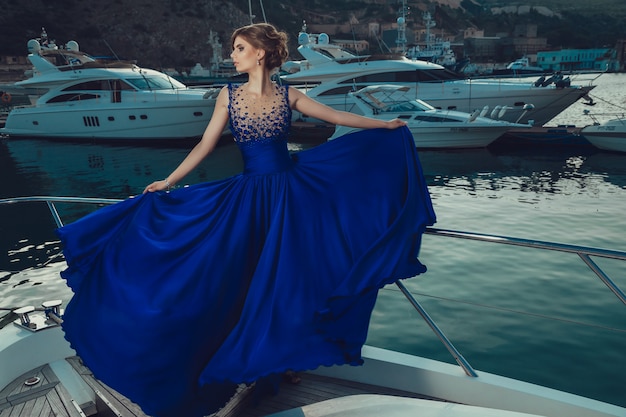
[609, 135]
[329, 72]
[219, 72]
[431, 128]
[519, 67]
[460, 95]
[84, 97]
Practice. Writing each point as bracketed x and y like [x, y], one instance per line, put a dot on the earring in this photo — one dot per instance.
[258, 62]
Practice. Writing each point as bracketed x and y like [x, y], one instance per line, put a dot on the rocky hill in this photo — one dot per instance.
[174, 33]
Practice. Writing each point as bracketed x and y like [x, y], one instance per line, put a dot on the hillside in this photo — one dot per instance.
[584, 7]
[174, 33]
[156, 33]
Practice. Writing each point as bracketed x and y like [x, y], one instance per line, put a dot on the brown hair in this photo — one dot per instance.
[267, 37]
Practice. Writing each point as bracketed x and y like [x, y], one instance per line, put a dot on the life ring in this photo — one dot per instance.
[6, 98]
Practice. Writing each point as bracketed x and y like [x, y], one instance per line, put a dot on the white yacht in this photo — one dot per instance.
[329, 72]
[324, 61]
[436, 49]
[431, 128]
[83, 97]
[609, 135]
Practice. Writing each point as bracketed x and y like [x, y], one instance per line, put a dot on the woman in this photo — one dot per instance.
[192, 291]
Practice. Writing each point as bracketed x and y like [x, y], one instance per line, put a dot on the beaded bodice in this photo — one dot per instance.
[259, 120]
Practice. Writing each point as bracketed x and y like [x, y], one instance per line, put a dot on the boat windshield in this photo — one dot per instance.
[410, 106]
[154, 82]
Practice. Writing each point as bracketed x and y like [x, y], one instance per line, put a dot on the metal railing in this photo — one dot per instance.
[585, 253]
[51, 201]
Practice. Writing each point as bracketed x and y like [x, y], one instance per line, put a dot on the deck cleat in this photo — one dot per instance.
[24, 318]
[52, 310]
[35, 319]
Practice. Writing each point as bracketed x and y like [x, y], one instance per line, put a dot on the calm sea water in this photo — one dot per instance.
[540, 317]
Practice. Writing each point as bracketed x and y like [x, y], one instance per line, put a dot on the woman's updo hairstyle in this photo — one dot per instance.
[265, 36]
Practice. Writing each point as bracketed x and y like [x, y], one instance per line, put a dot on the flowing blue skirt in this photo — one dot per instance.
[179, 296]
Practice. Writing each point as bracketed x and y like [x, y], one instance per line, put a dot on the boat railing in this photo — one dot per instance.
[52, 201]
[597, 117]
[585, 253]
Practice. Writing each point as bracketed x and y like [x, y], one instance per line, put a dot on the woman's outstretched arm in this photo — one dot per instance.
[209, 140]
[306, 105]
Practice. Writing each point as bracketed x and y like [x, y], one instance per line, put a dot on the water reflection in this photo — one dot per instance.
[115, 171]
[549, 171]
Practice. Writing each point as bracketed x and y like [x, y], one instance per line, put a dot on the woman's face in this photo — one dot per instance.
[244, 55]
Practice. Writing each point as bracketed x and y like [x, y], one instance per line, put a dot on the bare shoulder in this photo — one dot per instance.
[222, 97]
[295, 95]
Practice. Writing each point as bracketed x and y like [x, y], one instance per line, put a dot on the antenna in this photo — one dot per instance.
[401, 40]
[263, 11]
[110, 49]
[253, 16]
[429, 23]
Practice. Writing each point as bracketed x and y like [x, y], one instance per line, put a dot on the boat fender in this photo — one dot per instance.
[6, 97]
[474, 115]
[540, 81]
[494, 112]
[565, 82]
[547, 82]
[484, 111]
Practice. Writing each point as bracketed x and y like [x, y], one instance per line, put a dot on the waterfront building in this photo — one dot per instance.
[600, 59]
[358, 46]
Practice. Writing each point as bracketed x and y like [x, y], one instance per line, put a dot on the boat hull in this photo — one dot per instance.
[437, 137]
[609, 136]
[147, 121]
[457, 137]
[466, 97]
[448, 382]
[544, 136]
[22, 350]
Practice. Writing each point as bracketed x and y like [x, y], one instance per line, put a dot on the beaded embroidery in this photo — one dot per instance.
[261, 120]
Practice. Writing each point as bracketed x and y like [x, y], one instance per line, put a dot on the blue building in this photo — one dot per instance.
[600, 60]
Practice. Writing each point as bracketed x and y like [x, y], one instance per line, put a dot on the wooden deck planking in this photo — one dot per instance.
[113, 399]
[50, 398]
[46, 398]
[311, 389]
[41, 407]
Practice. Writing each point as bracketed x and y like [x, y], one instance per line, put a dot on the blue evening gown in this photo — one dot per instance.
[179, 296]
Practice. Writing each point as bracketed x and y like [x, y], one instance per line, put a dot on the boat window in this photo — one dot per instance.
[435, 119]
[153, 83]
[327, 54]
[407, 105]
[99, 85]
[89, 85]
[422, 105]
[404, 106]
[408, 76]
[340, 90]
[73, 97]
[66, 60]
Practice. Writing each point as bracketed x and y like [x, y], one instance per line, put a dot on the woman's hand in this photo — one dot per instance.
[157, 186]
[395, 123]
